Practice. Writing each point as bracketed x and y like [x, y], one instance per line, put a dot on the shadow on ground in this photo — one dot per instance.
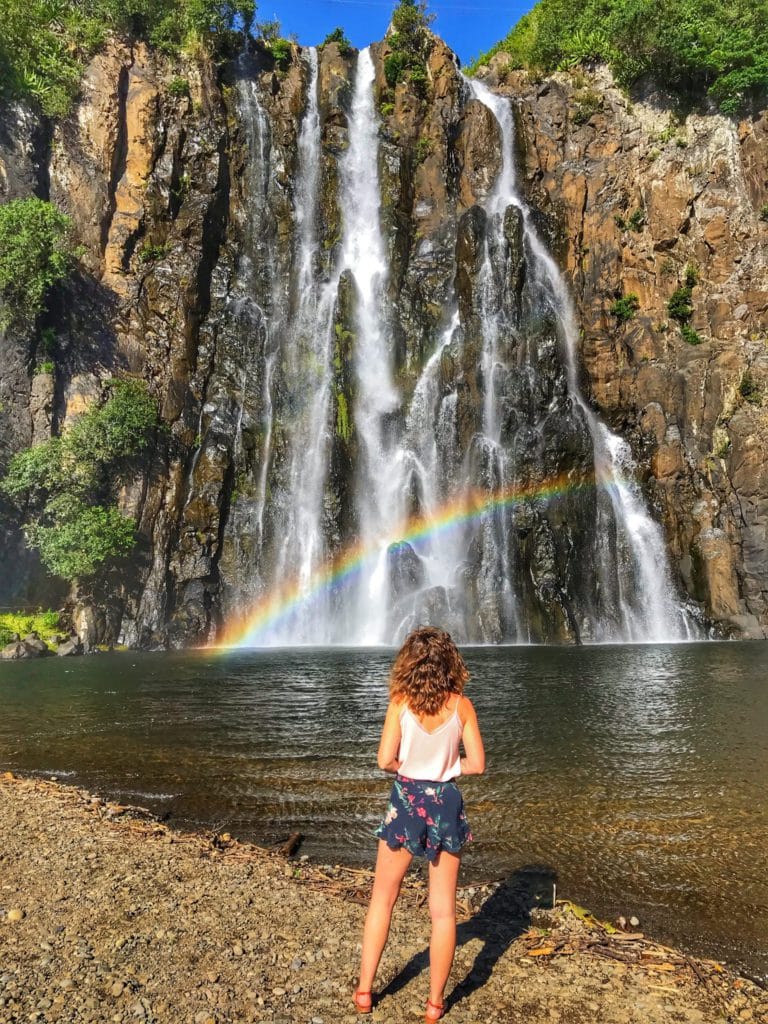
[504, 916]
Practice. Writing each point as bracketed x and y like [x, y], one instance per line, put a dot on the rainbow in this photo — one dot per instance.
[282, 601]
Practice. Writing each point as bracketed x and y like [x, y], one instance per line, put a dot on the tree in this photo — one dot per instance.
[67, 484]
[36, 251]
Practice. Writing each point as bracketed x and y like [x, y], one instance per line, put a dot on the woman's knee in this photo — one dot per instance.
[442, 908]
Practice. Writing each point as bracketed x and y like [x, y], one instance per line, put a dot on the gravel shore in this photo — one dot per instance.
[109, 917]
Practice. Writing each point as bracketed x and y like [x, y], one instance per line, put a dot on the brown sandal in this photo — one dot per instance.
[363, 1007]
[429, 1014]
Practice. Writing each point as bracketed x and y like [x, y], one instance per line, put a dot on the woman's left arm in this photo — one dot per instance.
[390, 740]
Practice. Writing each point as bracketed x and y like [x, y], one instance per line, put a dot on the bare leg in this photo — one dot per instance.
[443, 878]
[391, 866]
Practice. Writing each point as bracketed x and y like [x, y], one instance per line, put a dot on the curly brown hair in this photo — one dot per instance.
[427, 669]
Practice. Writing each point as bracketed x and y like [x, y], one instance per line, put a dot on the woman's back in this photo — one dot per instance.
[429, 747]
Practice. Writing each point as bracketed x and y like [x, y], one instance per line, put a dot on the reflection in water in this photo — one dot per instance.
[637, 773]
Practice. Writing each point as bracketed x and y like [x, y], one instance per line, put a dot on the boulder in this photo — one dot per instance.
[69, 648]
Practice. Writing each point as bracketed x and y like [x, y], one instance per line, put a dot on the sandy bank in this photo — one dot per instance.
[126, 920]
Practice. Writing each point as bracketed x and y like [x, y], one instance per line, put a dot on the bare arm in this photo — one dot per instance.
[390, 740]
[473, 763]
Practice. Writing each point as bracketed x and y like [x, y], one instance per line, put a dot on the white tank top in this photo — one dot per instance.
[430, 756]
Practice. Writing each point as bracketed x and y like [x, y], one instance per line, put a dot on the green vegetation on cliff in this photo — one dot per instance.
[695, 47]
[45, 624]
[36, 251]
[409, 43]
[68, 484]
[44, 44]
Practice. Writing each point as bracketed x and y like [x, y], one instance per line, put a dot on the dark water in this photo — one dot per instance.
[639, 774]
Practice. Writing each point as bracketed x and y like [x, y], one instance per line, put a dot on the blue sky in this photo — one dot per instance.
[468, 26]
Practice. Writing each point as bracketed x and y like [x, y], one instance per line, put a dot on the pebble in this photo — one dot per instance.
[15, 915]
[278, 991]
[66, 984]
[117, 989]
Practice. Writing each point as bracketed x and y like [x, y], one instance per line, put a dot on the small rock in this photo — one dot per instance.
[237, 949]
[297, 963]
[634, 921]
[15, 915]
[66, 984]
[117, 989]
[278, 991]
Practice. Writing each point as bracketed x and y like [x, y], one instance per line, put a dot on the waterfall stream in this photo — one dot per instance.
[563, 548]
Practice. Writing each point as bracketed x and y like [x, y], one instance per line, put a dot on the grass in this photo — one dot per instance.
[45, 623]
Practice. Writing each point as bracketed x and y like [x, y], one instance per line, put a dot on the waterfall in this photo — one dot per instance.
[496, 410]
[650, 610]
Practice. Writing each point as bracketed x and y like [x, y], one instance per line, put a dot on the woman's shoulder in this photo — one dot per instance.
[466, 709]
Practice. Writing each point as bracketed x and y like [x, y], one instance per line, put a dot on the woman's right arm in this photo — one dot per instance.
[389, 745]
[473, 763]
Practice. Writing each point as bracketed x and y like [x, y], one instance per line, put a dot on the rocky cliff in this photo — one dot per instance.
[187, 206]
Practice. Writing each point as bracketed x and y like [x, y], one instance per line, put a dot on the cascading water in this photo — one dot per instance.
[649, 608]
[564, 548]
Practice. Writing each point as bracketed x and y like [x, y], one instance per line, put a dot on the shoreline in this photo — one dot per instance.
[123, 918]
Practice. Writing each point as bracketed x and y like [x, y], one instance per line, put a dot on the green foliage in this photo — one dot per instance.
[424, 148]
[695, 47]
[387, 109]
[68, 484]
[80, 539]
[764, 211]
[47, 366]
[691, 275]
[409, 43]
[750, 390]
[36, 251]
[45, 624]
[343, 427]
[636, 220]
[339, 37]
[281, 51]
[680, 305]
[625, 308]
[394, 65]
[45, 43]
[269, 31]
[178, 87]
[588, 102]
[150, 253]
[689, 335]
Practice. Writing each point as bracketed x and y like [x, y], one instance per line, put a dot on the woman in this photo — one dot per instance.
[428, 716]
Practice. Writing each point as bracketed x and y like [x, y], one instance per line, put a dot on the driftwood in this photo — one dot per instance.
[291, 845]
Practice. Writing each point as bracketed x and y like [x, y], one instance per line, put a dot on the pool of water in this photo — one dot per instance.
[637, 774]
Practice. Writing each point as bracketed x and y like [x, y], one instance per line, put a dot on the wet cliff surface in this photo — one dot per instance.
[230, 243]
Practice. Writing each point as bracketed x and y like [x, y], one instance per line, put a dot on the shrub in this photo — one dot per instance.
[45, 624]
[625, 307]
[680, 305]
[68, 483]
[688, 334]
[394, 65]
[150, 253]
[339, 37]
[691, 275]
[424, 148]
[178, 87]
[45, 44]
[588, 102]
[714, 50]
[764, 211]
[47, 366]
[636, 220]
[36, 251]
[409, 43]
[282, 52]
[750, 390]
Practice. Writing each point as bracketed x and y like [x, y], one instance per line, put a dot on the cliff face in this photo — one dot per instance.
[168, 192]
[592, 158]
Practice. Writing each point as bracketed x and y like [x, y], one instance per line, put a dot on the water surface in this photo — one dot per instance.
[637, 773]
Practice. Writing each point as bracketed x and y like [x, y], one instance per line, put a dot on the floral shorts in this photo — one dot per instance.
[425, 818]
